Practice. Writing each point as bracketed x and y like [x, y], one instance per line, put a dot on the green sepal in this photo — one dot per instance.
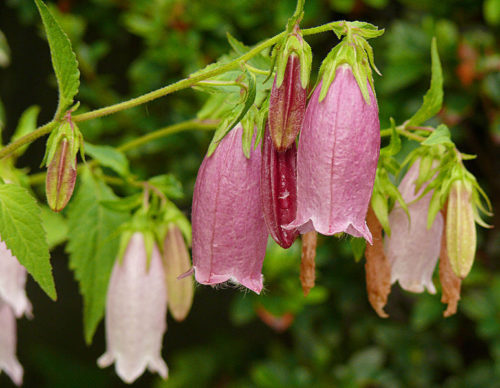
[172, 215]
[294, 44]
[248, 124]
[394, 145]
[441, 135]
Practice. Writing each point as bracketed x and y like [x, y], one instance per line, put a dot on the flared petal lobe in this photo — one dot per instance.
[229, 233]
[12, 282]
[337, 159]
[8, 342]
[136, 309]
[412, 249]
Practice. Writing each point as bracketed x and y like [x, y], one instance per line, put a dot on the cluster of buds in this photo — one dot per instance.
[13, 304]
[146, 280]
[324, 185]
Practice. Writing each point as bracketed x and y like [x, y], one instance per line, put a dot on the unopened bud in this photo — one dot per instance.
[460, 228]
[177, 262]
[61, 177]
[278, 186]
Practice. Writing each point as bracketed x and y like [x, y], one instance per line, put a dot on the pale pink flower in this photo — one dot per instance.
[8, 341]
[136, 309]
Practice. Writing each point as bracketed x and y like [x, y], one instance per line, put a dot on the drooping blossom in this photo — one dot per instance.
[136, 307]
[8, 342]
[337, 159]
[12, 282]
[278, 187]
[412, 248]
[229, 233]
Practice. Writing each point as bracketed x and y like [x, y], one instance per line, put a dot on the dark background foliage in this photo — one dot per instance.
[281, 339]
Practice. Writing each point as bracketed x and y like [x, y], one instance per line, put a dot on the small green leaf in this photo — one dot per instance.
[109, 157]
[381, 210]
[63, 59]
[93, 246]
[358, 246]
[440, 136]
[22, 231]
[26, 125]
[394, 145]
[169, 185]
[124, 204]
[433, 99]
[55, 225]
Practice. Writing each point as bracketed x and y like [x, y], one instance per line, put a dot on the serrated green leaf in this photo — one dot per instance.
[169, 185]
[93, 246]
[433, 99]
[26, 124]
[109, 157]
[440, 136]
[55, 226]
[22, 231]
[63, 59]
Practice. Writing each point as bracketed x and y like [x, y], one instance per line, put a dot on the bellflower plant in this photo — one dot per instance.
[136, 308]
[413, 249]
[229, 232]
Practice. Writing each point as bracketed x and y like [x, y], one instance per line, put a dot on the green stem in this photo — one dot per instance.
[179, 85]
[402, 130]
[207, 125]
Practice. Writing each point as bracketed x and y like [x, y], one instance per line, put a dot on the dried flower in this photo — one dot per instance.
[412, 248]
[337, 159]
[229, 232]
[136, 309]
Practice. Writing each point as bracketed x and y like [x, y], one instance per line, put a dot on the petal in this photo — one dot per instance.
[229, 233]
[8, 339]
[337, 159]
[135, 312]
[412, 249]
[12, 282]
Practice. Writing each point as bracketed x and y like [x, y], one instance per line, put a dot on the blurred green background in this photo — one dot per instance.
[332, 338]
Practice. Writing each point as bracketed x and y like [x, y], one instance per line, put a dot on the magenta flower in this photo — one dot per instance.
[412, 249]
[229, 233]
[136, 309]
[12, 283]
[337, 158]
[8, 340]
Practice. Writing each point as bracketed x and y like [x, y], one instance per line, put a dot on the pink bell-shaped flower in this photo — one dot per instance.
[136, 309]
[8, 341]
[229, 232]
[337, 158]
[412, 249]
[12, 282]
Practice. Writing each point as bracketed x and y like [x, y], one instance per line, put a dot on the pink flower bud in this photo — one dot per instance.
[229, 232]
[12, 282]
[461, 228]
[61, 177]
[177, 262]
[8, 341]
[136, 306]
[287, 106]
[412, 249]
[337, 159]
[278, 186]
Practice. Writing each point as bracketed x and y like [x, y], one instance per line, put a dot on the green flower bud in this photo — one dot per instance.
[461, 228]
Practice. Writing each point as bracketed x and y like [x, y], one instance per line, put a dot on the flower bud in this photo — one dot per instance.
[61, 178]
[287, 106]
[412, 248]
[337, 159]
[460, 228]
[136, 307]
[12, 283]
[278, 186]
[177, 262]
[229, 232]
[8, 341]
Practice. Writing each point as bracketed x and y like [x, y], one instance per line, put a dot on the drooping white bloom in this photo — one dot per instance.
[12, 282]
[8, 340]
[136, 309]
[412, 249]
